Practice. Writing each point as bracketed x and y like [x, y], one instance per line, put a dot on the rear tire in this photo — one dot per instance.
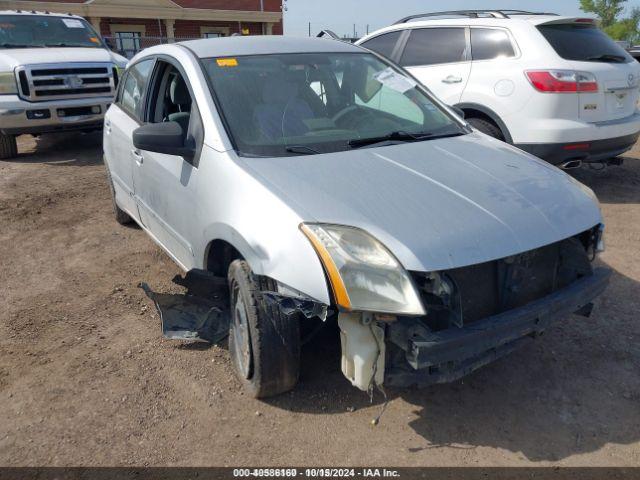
[8, 146]
[121, 216]
[486, 126]
[264, 344]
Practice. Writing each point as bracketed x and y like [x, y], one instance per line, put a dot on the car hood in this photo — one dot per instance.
[14, 57]
[437, 204]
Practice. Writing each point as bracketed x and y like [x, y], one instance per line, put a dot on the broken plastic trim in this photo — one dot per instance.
[202, 313]
[290, 305]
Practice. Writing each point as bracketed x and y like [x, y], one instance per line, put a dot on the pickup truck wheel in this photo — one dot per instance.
[122, 217]
[8, 146]
[487, 127]
[264, 344]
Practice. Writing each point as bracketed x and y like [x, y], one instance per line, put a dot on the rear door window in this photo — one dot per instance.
[431, 46]
[583, 43]
[488, 43]
[383, 44]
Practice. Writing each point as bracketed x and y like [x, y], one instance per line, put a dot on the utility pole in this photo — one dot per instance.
[354, 30]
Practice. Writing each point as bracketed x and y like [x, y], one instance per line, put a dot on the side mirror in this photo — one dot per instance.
[166, 137]
[108, 43]
[458, 111]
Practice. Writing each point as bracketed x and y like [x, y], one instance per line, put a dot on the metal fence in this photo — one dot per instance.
[128, 44]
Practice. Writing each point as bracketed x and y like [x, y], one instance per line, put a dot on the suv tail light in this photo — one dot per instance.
[562, 81]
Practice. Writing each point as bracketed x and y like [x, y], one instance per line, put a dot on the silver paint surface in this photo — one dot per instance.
[435, 204]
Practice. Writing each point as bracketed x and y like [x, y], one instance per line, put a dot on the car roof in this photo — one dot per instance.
[33, 12]
[266, 44]
[480, 21]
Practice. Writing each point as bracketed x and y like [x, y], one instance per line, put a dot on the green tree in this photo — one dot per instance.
[626, 28]
[607, 10]
[623, 30]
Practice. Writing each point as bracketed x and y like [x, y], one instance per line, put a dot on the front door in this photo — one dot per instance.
[166, 185]
[439, 58]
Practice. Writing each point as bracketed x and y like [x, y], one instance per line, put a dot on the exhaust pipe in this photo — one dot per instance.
[571, 164]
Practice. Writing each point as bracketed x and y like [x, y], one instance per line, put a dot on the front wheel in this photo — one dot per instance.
[264, 344]
[8, 146]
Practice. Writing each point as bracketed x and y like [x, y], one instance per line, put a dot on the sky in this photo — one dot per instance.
[339, 15]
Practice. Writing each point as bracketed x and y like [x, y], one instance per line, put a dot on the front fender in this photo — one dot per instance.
[237, 208]
[286, 256]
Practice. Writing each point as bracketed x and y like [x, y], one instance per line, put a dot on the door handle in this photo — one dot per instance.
[138, 157]
[452, 79]
[107, 127]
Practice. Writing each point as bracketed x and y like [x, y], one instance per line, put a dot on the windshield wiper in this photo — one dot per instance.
[18, 45]
[70, 45]
[607, 57]
[399, 136]
[302, 149]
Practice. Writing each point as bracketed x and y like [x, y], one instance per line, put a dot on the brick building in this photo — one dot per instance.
[133, 25]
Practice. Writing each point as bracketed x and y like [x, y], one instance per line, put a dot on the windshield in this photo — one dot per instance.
[585, 43]
[29, 31]
[297, 104]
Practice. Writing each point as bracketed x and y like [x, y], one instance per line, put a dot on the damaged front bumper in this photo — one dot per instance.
[404, 352]
[447, 355]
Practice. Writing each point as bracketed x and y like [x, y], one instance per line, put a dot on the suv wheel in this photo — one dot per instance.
[122, 217]
[486, 126]
[8, 146]
[264, 344]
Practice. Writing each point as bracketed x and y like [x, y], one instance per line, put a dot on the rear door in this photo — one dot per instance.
[588, 49]
[440, 58]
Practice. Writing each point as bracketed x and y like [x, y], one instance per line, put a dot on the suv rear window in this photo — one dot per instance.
[383, 44]
[488, 43]
[585, 43]
[430, 46]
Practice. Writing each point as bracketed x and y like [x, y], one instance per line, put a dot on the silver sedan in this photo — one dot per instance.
[327, 185]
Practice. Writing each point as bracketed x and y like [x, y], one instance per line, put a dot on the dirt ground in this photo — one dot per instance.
[87, 379]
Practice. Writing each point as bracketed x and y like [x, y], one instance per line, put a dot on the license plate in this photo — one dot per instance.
[620, 99]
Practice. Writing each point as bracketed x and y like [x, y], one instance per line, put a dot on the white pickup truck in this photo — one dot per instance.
[56, 74]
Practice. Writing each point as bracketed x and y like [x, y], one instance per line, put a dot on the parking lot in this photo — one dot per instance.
[87, 379]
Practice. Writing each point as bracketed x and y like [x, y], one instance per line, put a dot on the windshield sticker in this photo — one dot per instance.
[395, 81]
[72, 23]
[227, 62]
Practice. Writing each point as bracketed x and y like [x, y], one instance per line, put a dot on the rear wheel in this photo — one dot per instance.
[8, 146]
[122, 217]
[264, 344]
[486, 126]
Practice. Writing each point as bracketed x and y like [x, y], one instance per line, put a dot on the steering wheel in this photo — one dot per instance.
[345, 113]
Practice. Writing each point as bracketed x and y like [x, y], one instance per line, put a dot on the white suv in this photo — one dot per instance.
[554, 86]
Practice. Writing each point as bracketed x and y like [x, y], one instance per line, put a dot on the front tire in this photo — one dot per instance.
[8, 146]
[264, 344]
[486, 126]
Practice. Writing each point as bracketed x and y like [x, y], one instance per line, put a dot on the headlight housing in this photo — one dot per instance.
[364, 274]
[8, 85]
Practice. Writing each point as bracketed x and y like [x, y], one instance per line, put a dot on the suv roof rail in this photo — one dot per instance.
[472, 14]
